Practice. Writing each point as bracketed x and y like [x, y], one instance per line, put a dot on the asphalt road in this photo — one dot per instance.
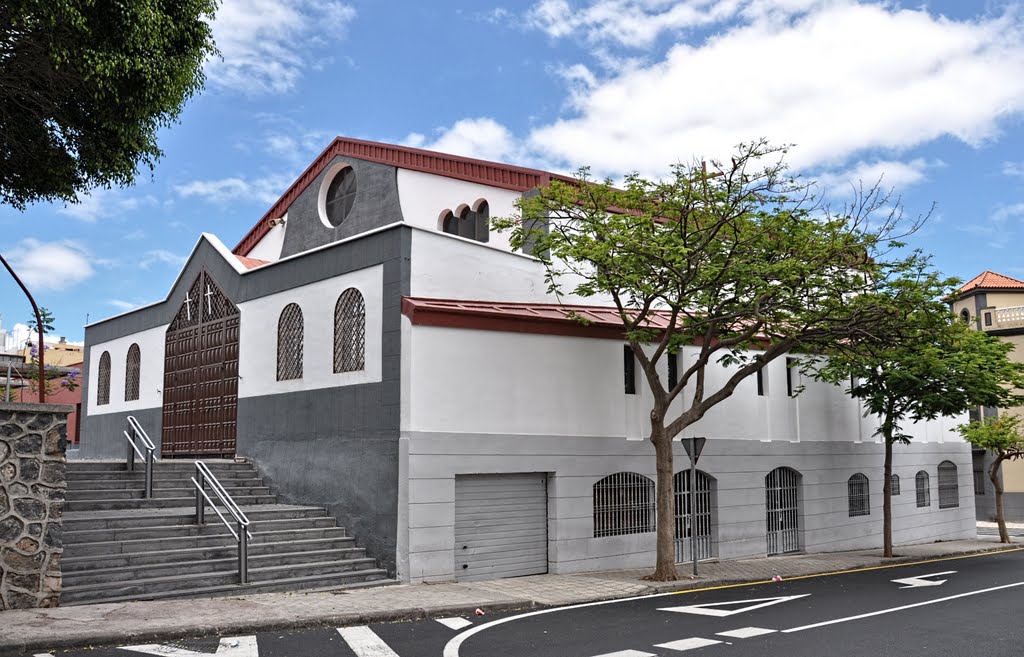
[974, 612]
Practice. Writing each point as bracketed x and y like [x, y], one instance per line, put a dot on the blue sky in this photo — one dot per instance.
[930, 94]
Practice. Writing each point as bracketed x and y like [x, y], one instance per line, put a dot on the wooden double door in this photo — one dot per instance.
[200, 407]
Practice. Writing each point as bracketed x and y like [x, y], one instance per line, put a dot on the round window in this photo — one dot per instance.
[341, 195]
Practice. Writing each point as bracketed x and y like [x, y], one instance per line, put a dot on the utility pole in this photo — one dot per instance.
[39, 327]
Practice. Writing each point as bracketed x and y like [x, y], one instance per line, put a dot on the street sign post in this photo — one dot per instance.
[693, 446]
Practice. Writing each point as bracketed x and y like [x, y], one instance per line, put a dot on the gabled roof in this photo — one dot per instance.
[494, 174]
[989, 280]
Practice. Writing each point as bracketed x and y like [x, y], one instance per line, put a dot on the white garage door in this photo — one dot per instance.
[501, 526]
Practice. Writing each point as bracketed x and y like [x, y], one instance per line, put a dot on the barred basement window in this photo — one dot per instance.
[949, 488]
[349, 332]
[923, 488]
[859, 496]
[895, 485]
[103, 380]
[131, 373]
[289, 343]
[623, 504]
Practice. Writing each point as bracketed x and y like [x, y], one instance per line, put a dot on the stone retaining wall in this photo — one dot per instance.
[32, 484]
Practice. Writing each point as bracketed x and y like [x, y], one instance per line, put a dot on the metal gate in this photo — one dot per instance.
[501, 526]
[782, 510]
[685, 522]
[201, 374]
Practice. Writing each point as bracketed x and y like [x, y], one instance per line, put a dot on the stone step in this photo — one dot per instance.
[159, 493]
[82, 480]
[353, 580]
[117, 541]
[156, 503]
[182, 515]
[140, 553]
[215, 565]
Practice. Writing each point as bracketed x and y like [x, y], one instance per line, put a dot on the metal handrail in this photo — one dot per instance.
[242, 536]
[139, 433]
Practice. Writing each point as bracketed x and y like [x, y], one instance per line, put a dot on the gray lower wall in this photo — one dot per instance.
[738, 467]
[335, 447]
[103, 435]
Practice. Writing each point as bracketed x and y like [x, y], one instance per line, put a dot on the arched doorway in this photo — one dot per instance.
[782, 510]
[201, 374]
[699, 520]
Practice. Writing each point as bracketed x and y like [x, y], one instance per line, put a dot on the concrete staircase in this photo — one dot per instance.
[119, 546]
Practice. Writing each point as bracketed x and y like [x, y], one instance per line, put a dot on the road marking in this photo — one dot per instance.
[364, 643]
[455, 623]
[232, 646]
[46, 654]
[921, 580]
[628, 653]
[746, 632]
[451, 649]
[687, 644]
[902, 608]
[712, 608]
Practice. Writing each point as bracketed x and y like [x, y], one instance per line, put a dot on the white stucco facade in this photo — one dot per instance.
[151, 371]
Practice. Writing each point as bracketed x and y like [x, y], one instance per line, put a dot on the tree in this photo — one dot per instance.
[47, 318]
[86, 86]
[924, 364]
[732, 258]
[1001, 436]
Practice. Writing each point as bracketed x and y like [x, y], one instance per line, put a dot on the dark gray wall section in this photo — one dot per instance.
[336, 447]
[980, 301]
[376, 205]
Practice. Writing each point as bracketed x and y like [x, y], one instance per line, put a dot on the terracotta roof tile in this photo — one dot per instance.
[252, 263]
[990, 280]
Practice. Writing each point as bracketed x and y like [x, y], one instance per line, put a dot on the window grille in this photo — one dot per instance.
[949, 489]
[341, 196]
[623, 504]
[923, 488]
[859, 496]
[103, 380]
[782, 510]
[979, 481]
[289, 343]
[689, 521]
[131, 373]
[895, 485]
[350, 332]
[629, 369]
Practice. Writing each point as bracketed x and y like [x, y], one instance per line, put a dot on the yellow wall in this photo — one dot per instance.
[57, 354]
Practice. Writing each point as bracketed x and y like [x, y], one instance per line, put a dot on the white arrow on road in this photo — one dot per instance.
[921, 580]
[712, 608]
[232, 646]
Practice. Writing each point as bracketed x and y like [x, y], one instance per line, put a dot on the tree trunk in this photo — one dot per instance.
[887, 500]
[997, 483]
[665, 566]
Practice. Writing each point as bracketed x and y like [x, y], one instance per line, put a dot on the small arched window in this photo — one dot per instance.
[474, 224]
[289, 343]
[922, 487]
[350, 332]
[103, 380]
[449, 224]
[949, 488]
[858, 495]
[965, 316]
[623, 504]
[895, 484]
[132, 367]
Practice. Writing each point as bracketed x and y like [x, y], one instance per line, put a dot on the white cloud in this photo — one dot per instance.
[888, 174]
[50, 265]
[122, 305]
[266, 44]
[1006, 212]
[161, 256]
[836, 78]
[97, 204]
[1013, 169]
[482, 138]
[266, 189]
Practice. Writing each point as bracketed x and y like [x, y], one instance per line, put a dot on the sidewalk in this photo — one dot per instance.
[39, 630]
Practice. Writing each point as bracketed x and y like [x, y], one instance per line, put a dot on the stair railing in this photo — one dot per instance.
[138, 435]
[242, 536]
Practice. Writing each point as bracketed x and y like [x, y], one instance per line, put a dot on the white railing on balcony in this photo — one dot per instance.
[1010, 317]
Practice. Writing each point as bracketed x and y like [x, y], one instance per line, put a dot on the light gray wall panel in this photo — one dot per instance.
[106, 432]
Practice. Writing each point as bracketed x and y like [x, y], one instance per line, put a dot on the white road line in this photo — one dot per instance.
[745, 632]
[42, 654]
[628, 653]
[903, 607]
[687, 644]
[364, 643]
[455, 623]
[231, 646]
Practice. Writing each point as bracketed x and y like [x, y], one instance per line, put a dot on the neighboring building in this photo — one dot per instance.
[994, 303]
[374, 348]
[59, 353]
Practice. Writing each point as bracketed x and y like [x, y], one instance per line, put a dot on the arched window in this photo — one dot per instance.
[922, 487]
[481, 217]
[965, 316]
[895, 485]
[949, 488]
[623, 504]
[782, 510]
[858, 495]
[289, 343]
[449, 224]
[474, 224]
[132, 368]
[350, 332]
[103, 380]
[697, 522]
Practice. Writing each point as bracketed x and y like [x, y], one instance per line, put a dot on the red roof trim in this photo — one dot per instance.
[494, 174]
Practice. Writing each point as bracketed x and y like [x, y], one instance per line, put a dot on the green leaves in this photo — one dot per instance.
[1001, 435]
